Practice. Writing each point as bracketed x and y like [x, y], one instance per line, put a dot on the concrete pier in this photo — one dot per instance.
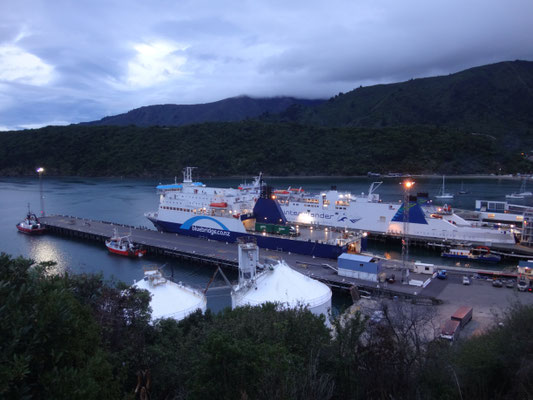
[225, 255]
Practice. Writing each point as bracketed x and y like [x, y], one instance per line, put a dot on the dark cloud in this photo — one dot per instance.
[72, 61]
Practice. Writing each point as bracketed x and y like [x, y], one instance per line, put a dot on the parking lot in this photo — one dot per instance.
[489, 303]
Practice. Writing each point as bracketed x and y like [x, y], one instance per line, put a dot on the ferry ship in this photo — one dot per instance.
[368, 213]
[225, 214]
[501, 212]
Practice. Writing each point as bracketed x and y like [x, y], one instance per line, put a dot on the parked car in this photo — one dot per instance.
[522, 285]
[442, 274]
[510, 283]
[497, 283]
[466, 280]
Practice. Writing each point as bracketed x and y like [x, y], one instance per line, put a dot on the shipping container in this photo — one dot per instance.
[463, 315]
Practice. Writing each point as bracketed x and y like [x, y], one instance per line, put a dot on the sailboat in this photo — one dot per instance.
[462, 190]
[521, 194]
[442, 194]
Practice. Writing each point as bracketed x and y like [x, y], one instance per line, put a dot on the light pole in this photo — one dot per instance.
[407, 184]
[40, 171]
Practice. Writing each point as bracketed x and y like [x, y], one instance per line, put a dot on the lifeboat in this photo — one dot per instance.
[280, 192]
[221, 204]
[300, 190]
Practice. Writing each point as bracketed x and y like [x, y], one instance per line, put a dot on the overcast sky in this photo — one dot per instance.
[67, 61]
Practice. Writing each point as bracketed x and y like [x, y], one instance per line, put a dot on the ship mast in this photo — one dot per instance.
[187, 174]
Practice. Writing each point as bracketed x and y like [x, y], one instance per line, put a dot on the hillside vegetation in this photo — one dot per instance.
[475, 121]
[494, 99]
[78, 337]
[249, 147]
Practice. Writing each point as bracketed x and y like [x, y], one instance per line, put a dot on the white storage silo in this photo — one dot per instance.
[170, 299]
[278, 283]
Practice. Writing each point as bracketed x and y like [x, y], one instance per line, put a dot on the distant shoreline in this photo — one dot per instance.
[303, 177]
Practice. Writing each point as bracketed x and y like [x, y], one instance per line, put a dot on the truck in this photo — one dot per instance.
[463, 315]
[452, 327]
[450, 330]
[286, 230]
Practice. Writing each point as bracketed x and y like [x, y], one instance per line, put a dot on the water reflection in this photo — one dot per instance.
[42, 250]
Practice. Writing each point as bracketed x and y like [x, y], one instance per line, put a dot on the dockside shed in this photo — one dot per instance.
[359, 267]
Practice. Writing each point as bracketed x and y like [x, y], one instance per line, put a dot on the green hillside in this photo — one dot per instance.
[249, 147]
[475, 121]
[493, 99]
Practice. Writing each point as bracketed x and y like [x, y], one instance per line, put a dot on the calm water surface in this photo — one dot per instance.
[126, 200]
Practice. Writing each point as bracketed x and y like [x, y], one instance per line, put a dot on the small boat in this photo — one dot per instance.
[522, 194]
[462, 190]
[480, 253]
[288, 191]
[221, 204]
[123, 246]
[30, 225]
[442, 194]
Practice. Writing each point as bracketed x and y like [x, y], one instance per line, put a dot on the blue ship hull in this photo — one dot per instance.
[284, 244]
[448, 255]
[491, 258]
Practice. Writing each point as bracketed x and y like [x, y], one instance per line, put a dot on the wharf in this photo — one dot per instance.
[513, 251]
[224, 254]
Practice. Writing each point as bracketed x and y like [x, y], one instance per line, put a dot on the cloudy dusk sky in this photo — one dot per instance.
[70, 61]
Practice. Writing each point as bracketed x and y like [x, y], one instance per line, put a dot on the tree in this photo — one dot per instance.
[50, 344]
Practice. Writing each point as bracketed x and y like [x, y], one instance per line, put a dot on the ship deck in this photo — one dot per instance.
[317, 234]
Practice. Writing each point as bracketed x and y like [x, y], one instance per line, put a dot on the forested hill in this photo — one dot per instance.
[244, 148]
[228, 110]
[494, 99]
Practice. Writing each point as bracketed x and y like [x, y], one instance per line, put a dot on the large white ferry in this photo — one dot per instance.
[225, 214]
[368, 213]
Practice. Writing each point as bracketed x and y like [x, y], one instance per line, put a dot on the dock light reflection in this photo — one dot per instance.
[41, 251]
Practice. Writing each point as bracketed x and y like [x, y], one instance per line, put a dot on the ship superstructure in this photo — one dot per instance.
[368, 213]
[225, 214]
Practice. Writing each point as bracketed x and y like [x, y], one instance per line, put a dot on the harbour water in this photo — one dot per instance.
[126, 200]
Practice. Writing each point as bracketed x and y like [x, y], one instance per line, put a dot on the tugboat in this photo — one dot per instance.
[30, 225]
[123, 246]
[480, 253]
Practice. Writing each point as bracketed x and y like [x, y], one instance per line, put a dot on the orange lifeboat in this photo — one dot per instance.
[222, 204]
[281, 192]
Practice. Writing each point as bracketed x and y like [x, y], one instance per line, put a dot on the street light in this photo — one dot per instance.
[40, 171]
[407, 184]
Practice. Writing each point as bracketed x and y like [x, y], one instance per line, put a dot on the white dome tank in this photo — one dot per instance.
[170, 299]
[280, 283]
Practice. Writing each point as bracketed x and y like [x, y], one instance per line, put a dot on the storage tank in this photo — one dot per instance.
[277, 283]
[170, 299]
